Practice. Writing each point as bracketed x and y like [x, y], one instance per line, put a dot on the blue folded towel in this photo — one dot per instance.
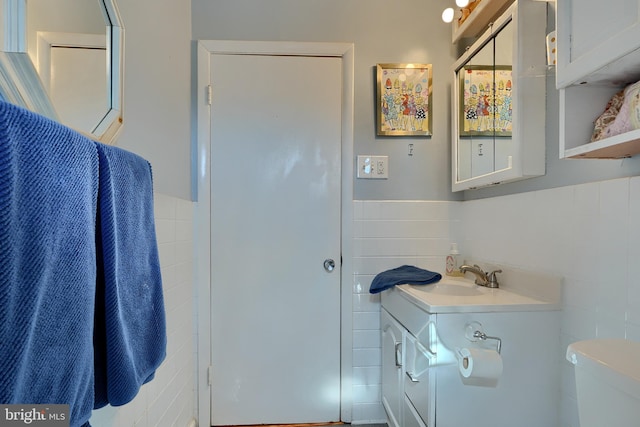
[406, 274]
[48, 191]
[130, 336]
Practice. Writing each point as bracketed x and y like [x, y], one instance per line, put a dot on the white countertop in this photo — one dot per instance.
[459, 295]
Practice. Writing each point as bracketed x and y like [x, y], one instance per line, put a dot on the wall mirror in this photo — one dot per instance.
[499, 101]
[63, 59]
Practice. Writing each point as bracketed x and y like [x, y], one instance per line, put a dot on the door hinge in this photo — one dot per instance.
[209, 94]
[210, 376]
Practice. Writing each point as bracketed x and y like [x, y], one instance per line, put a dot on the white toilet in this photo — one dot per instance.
[607, 375]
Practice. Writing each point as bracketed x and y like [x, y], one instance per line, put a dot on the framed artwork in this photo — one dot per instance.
[485, 101]
[404, 99]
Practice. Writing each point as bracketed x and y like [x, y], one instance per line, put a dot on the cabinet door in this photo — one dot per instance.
[419, 379]
[592, 34]
[411, 416]
[498, 104]
[392, 360]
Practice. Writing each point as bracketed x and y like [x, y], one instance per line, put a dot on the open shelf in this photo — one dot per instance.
[615, 147]
[479, 19]
[580, 106]
[594, 64]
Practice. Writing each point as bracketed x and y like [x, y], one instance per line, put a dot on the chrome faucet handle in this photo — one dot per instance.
[492, 279]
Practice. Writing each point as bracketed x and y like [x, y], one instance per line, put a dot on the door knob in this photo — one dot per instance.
[329, 264]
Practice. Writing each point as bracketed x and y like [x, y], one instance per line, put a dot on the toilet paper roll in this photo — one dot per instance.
[480, 364]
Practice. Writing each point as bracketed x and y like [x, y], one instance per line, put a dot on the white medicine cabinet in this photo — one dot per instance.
[598, 55]
[499, 91]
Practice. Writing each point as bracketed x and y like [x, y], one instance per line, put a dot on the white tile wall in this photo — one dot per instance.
[388, 234]
[589, 234]
[169, 399]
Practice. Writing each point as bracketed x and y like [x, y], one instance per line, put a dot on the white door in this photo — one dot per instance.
[73, 67]
[78, 87]
[275, 219]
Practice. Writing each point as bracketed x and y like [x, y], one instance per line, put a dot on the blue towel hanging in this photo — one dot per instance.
[406, 274]
[130, 337]
[82, 318]
[48, 193]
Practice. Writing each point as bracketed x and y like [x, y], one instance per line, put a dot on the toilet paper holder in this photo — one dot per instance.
[483, 337]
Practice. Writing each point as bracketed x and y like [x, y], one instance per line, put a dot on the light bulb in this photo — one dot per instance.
[462, 3]
[447, 15]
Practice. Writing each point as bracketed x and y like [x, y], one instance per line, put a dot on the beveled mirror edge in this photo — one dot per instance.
[111, 125]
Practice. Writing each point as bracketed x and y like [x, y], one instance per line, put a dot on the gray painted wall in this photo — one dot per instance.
[157, 90]
[402, 31]
[159, 63]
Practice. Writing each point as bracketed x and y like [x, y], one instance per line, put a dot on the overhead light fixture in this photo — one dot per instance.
[448, 14]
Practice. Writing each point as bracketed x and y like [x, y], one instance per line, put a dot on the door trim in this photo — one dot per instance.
[202, 186]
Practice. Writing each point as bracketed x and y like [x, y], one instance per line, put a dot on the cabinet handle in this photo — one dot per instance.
[412, 378]
[398, 349]
[433, 333]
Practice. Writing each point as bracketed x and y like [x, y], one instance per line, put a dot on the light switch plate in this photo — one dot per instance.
[373, 167]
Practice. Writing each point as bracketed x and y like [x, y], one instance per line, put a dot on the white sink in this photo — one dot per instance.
[453, 295]
[454, 289]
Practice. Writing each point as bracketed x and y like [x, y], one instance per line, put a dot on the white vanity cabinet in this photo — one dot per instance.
[425, 328]
[408, 386]
[419, 380]
[598, 48]
[392, 336]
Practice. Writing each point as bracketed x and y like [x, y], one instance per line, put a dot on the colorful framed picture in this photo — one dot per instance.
[404, 100]
[485, 101]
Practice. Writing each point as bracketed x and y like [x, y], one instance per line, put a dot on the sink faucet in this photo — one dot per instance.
[482, 279]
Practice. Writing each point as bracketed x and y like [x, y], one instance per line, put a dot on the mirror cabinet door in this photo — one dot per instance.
[496, 98]
[503, 86]
[485, 108]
